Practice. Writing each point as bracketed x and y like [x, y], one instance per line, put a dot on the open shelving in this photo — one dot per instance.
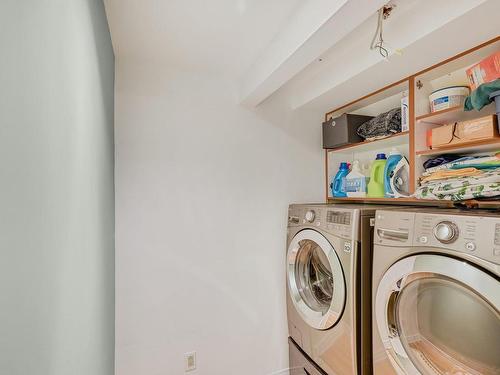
[413, 143]
[486, 145]
[455, 114]
[375, 143]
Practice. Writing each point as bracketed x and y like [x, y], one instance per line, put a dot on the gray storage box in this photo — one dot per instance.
[341, 131]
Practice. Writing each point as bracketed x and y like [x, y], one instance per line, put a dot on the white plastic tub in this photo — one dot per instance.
[448, 97]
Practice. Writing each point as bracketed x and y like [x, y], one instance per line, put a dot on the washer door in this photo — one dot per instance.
[439, 315]
[315, 279]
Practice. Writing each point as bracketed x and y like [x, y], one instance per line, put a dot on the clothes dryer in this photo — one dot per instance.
[436, 292]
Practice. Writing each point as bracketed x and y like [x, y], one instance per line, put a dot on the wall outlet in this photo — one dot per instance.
[190, 361]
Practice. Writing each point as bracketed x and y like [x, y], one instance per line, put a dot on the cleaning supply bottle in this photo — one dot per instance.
[355, 182]
[376, 184]
[338, 185]
[394, 157]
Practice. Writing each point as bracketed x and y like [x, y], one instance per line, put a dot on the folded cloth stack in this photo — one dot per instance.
[481, 96]
[382, 126]
[461, 179]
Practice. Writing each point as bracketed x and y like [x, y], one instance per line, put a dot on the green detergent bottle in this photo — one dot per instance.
[376, 184]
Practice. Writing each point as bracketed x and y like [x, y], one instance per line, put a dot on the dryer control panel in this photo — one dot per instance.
[476, 234]
[473, 234]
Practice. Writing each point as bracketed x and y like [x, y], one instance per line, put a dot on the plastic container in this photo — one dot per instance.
[376, 185]
[496, 97]
[392, 161]
[448, 97]
[405, 114]
[355, 182]
[338, 183]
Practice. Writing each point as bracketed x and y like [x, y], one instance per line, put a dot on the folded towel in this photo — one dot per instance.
[487, 184]
[452, 173]
[480, 97]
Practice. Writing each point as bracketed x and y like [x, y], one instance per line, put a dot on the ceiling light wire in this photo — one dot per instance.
[378, 38]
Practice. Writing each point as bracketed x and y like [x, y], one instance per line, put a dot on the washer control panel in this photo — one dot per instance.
[474, 234]
[338, 221]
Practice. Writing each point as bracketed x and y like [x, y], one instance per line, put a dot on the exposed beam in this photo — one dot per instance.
[319, 88]
[314, 28]
[351, 58]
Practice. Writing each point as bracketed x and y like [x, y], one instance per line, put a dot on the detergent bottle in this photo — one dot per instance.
[338, 183]
[392, 161]
[355, 182]
[376, 184]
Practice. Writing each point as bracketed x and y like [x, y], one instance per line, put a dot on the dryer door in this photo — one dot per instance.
[439, 315]
[315, 279]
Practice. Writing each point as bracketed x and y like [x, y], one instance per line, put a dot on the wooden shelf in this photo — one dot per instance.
[397, 201]
[471, 203]
[476, 147]
[413, 142]
[455, 114]
[378, 142]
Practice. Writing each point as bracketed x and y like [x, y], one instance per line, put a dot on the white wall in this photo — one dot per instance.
[56, 189]
[202, 189]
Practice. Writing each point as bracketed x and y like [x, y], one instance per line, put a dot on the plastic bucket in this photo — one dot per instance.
[448, 97]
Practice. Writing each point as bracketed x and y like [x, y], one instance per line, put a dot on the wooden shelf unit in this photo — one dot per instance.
[413, 142]
[455, 114]
[369, 143]
[384, 200]
[471, 203]
[486, 145]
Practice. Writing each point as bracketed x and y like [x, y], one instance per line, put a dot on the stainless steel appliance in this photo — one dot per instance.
[300, 363]
[436, 292]
[329, 249]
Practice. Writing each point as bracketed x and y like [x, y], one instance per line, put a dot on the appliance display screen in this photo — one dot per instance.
[337, 217]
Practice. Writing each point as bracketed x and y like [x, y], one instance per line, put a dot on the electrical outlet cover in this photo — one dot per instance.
[190, 361]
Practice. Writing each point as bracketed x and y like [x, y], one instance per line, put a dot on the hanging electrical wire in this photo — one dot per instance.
[378, 38]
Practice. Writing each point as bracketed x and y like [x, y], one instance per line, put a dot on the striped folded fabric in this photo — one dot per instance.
[485, 184]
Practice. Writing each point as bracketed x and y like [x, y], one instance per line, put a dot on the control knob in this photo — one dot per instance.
[446, 232]
[310, 216]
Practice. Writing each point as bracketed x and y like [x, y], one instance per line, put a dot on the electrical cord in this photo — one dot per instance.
[379, 33]
[378, 38]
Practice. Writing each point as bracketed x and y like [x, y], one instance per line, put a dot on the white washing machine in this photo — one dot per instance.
[327, 247]
[436, 291]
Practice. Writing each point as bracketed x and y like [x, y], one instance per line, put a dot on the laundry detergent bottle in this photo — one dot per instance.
[376, 184]
[355, 182]
[392, 161]
[338, 185]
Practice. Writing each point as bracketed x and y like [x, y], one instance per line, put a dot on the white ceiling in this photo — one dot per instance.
[273, 46]
[318, 85]
[224, 36]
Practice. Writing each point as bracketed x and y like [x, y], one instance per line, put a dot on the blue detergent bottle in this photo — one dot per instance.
[338, 185]
[394, 157]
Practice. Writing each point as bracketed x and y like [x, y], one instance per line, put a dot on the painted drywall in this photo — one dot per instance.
[57, 190]
[202, 190]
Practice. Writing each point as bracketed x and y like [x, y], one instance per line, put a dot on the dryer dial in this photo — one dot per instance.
[310, 216]
[446, 232]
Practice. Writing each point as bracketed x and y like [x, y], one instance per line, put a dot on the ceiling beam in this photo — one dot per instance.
[315, 27]
[319, 85]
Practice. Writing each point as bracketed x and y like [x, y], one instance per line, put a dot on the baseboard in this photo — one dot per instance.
[281, 372]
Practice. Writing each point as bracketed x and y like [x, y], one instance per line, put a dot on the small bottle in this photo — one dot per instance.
[405, 114]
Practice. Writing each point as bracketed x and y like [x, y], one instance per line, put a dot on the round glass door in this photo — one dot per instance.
[315, 279]
[441, 316]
